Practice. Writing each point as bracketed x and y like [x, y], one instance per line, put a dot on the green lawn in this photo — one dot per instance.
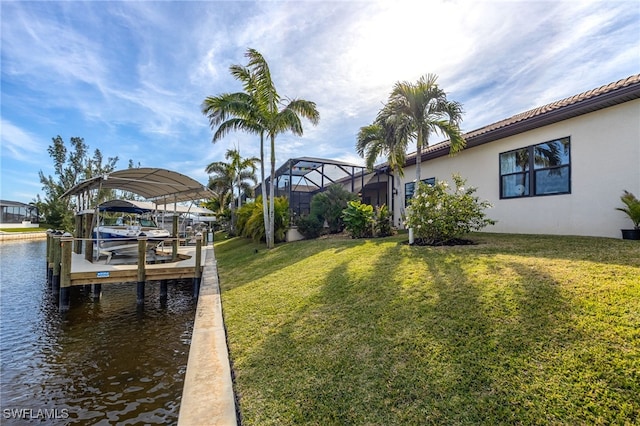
[513, 330]
[41, 228]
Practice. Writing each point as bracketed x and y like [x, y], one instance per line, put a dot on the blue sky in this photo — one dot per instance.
[130, 76]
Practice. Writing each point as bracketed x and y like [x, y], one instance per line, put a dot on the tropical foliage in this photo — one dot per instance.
[440, 215]
[632, 208]
[382, 222]
[238, 174]
[417, 110]
[363, 220]
[358, 219]
[250, 222]
[259, 110]
[382, 139]
[328, 206]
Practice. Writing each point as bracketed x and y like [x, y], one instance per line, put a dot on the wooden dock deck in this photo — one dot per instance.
[85, 272]
[66, 269]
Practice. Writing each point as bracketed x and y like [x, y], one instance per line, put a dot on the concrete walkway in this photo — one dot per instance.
[207, 396]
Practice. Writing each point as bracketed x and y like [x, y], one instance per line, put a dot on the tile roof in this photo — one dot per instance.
[611, 94]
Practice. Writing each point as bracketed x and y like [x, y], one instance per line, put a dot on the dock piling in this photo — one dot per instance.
[176, 239]
[56, 255]
[163, 289]
[49, 259]
[142, 260]
[97, 291]
[66, 243]
[198, 269]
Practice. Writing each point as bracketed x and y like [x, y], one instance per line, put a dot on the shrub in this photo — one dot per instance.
[250, 221]
[632, 208]
[358, 219]
[440, 216]
[382, 222]
[328, 205]
[310, 226]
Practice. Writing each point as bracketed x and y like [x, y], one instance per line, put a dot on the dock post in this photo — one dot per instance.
[163, 289]
[88, 245]
[77, 244]
[56, 255]
[176, 239]
[97, 291]
[198, 272]
[66, 243]
[142, 260]
[49, 258]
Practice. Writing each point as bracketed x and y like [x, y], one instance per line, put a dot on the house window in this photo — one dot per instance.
[542, 169]
[410, 187]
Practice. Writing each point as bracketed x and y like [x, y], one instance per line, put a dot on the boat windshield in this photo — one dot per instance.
[147, 223]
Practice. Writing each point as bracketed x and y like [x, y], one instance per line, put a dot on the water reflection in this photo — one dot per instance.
[100, 363]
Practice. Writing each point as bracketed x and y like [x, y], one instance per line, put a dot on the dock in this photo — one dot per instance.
[67, 267]
[208, 395]
[85, 272]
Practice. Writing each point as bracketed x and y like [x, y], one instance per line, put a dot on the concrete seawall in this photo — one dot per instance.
[207, 397]
[13, 236]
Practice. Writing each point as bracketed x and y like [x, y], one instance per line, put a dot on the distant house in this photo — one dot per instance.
[557, 169]
[18, 215]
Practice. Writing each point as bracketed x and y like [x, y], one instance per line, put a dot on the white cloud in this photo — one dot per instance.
[19, 144]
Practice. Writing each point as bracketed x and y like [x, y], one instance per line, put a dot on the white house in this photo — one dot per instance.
[557, 169]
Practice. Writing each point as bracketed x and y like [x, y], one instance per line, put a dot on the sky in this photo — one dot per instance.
[130, 76]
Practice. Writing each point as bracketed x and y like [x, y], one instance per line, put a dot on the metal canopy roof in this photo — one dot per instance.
[147, 206]
[309, 174]
[151, 183]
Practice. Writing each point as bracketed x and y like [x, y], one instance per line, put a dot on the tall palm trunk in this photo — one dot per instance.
[265, 206]
[271, 239]
[418, 158]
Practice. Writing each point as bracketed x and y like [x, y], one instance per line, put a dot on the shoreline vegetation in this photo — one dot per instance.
[15, 234]
[515, 329]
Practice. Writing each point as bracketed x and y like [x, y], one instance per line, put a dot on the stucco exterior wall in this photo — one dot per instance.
[605, 160]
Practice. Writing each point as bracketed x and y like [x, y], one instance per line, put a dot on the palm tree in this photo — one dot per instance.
[238, 173]
[381, 139]
[420, 109]
[258, 110]
[241, 111]
[244, 170]
[279, 121]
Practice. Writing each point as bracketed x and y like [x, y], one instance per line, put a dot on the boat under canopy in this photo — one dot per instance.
[159, 185]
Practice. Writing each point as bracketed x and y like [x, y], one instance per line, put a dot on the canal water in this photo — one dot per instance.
[102, 363]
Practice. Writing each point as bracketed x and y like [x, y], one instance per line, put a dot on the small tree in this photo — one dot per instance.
[328, 205]
[440, 216]
[71, 165]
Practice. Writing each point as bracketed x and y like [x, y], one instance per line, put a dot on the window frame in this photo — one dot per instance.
[431, 181]
[530, 171]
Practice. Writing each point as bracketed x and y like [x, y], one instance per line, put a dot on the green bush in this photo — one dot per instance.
[328, 205]
[382, 222]
[440, 216]
[310, 226]
[250, 221]
[358, 219]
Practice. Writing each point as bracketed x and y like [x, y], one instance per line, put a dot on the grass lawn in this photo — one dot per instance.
[516, 329]
[41, 228]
